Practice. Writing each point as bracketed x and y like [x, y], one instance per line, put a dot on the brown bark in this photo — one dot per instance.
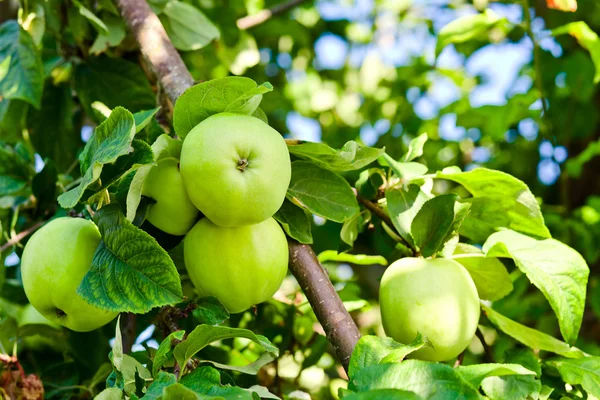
[174, 77]
[339, 327]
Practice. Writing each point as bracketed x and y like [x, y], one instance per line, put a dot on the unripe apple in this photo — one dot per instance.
[240, 266]
[236, 169]
[435, 297]
[54, 262]
[173, 211]
[29, 315]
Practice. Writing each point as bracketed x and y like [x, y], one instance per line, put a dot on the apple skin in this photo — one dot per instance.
[435, 297]
[236, 169]
[54, 262]
[173, 211]
[240, 266]
[29, 315]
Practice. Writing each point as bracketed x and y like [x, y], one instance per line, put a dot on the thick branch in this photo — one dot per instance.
[156, 47]
[341, 330]
[250, 21]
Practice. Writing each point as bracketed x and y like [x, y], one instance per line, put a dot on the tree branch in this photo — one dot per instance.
[156, 47]
[250, 21]
[341, 330]
[21, 235]
[171, 72]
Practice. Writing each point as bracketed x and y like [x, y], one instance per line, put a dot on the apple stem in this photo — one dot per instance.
[242, 164]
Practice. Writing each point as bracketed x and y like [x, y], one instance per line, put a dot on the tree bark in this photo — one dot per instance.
[174, 77]
[339, 326]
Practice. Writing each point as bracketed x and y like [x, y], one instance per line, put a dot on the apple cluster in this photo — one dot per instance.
[234, 173]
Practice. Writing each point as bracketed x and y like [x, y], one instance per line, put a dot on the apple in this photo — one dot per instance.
[29, 315]
[435, 297]
[236, 169]
[54, 262]
[240, 266]
[173, 211]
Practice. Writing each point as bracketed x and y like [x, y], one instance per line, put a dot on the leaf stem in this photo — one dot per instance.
[250, 21]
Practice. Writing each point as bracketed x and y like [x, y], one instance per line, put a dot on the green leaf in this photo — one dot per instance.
[91, 17]
[575, 165]
[358, 259]
[553, 267]
[369, 183]
[112, 38]
[161, 382]
[250, 369]
[209, 310]
[295, 222]
[13, 115]
[21, 70]
[110, 394]
[436, 222]
[14, 171]
[489, 274]
[111, 139]
[415, 147]
[120, 280]
[372, 350]
[180, 392]
[207, 381]
[113, 82]
[51, 129]
[143, 118]
[350, 157]
[530, 337]
[353, 226]
[587, 38]
[380, 394]
[188, 28]
[403, 204]
[163, 353]
[499, 201]
[164, 147]
[234, 94]
[111, 173]
[474, 374]
[432, 381]
[583, 371]
[204, 335]
[511, 387]
[515, 387]
[470, 27]
[322, 192]
[405, 170]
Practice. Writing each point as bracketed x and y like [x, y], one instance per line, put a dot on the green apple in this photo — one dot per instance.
[240, 266]
[29, 315]
[173, 211]
[435, 297]
[54, 262]
[236, 169]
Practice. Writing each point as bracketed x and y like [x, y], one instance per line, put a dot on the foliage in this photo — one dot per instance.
[399, 148]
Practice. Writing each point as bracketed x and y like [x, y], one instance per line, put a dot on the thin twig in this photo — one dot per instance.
[21, 235]
[460, 359]
[375, 209]
[250, 21]
[488, 351]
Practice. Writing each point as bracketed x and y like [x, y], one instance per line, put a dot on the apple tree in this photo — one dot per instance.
[168, 231]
